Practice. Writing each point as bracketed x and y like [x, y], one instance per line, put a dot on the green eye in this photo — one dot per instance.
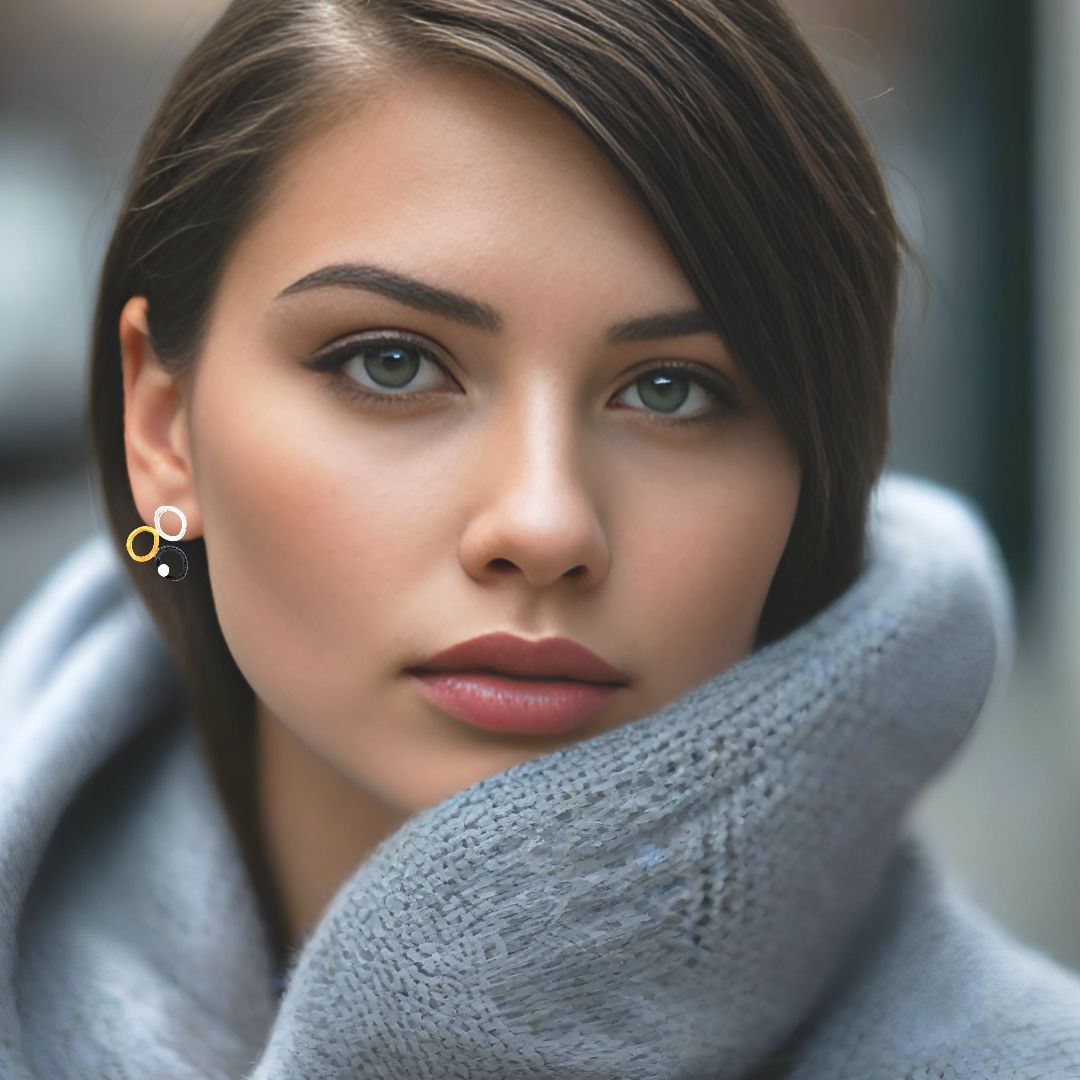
[389, 362]
[666, 389]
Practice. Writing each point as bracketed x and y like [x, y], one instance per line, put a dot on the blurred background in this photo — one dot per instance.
[974, 106]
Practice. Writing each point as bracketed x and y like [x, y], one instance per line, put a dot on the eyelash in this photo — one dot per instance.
[332, 361]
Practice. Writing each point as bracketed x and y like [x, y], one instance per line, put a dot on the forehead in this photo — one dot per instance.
[472, 179]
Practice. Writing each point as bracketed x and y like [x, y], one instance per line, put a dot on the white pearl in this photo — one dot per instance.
[163, 570]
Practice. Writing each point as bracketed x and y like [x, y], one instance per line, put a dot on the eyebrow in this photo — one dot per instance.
[463, 309]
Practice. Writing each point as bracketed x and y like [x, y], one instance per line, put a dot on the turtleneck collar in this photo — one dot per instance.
[670, 898]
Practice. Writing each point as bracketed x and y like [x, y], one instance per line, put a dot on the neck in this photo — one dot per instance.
[317, 825]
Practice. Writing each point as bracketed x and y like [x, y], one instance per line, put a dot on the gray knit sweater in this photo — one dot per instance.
[728, 887]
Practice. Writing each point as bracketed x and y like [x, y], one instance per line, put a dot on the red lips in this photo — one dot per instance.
[555, 658]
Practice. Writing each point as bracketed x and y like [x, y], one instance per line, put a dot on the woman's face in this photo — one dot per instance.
[512, 469]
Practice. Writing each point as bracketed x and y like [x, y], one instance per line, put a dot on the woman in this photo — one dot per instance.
[564, 325]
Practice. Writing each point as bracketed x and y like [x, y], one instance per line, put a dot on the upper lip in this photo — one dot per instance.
[509, 654]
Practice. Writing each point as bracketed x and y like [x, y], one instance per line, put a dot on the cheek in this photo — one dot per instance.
[303, 536]
[703, 561]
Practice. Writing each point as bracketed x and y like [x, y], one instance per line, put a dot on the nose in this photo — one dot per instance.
[536, 500]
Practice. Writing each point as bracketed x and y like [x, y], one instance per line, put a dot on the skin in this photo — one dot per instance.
[531, 490]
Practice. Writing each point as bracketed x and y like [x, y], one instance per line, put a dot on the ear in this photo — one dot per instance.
[156, 432]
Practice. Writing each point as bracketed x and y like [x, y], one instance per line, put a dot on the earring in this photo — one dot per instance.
[155, 552]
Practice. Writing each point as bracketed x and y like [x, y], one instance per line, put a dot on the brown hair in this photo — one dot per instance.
[722, 120]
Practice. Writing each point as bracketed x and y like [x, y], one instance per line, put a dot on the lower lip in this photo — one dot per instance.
[501, 703]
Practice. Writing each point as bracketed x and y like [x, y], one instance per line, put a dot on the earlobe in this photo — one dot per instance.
[155, 442]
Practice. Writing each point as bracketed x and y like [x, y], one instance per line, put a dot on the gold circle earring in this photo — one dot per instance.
[153, 550]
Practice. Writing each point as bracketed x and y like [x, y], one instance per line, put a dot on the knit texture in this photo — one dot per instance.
[726, 887]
